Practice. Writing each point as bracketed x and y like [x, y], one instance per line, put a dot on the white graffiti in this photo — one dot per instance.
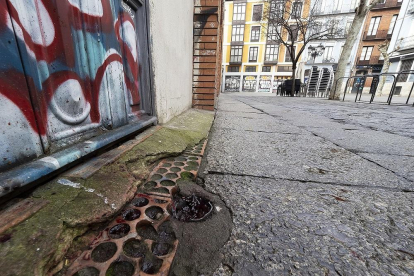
[90, 7]
[130, 38]
[35, 20]
[69, 104]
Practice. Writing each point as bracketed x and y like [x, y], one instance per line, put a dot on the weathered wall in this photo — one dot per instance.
[171, 45]
[207, 52]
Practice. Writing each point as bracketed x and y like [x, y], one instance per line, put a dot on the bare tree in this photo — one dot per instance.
[286, 25]
[360, 13]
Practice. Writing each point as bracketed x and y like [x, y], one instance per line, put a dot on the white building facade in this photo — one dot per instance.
[318, 72]
[401, 50]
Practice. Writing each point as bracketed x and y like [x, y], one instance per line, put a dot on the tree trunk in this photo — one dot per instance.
[351, 39]
[292, 92]
[383, 49]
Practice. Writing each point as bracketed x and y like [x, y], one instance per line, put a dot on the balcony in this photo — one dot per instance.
[405, 43]
[324, 60]
[380, 35]
[388, 4]
[372, 61]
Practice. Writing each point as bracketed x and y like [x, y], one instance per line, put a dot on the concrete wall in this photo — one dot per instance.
[171, 25]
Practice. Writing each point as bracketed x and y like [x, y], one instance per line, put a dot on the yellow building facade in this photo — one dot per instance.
[251, 62]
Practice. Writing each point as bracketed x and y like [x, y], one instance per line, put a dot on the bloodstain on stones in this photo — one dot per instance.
[190, 208]
[4, 238]
[131, 214]
[140, 202]
[119, 231]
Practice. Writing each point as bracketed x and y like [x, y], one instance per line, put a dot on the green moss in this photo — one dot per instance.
[40, 243]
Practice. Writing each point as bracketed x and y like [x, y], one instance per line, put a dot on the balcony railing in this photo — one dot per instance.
[388, 4]
[379, 35]
[373, 60]
[346, 8]
[405, 43]
[318, 61]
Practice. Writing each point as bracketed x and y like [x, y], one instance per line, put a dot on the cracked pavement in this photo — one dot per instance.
[315, 187]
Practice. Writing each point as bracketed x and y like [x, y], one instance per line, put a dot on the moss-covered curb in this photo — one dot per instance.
[80, 207]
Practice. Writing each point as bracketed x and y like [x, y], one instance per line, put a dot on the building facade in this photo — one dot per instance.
[379, 27]
[401, 50]
[318, 72]
[252, 61]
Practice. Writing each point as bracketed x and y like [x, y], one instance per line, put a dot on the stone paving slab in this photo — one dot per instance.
[392, 119]
[254, 122]
[289, 228]
[299, 157]
[401, 165]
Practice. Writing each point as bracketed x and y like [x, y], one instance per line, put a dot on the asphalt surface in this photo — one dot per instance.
[314, 187]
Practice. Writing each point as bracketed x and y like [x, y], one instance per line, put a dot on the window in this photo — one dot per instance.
[333, 28]
[373, 25]
[296, 9]
[405, 65]
[327, 54]
[276, 9]
[366, 53]
[272, 52]
[233, 69]
[392, 24]
[271, 33]
[236, 53]
[266, 68]
[410, 8]
[255, 35]
[250, 68]
[257, 12]
[294, 30]
[253, 54]
[239, 12]
[287, 55]
[338, 5]
[237, 33]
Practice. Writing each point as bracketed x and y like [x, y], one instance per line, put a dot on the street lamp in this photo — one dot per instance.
[316, 51]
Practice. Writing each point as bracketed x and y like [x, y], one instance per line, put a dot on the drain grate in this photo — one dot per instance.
[134, 243]
[141, 241]
[163, 179]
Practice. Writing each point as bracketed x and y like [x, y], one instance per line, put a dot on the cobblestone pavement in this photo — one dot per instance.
[315, 187]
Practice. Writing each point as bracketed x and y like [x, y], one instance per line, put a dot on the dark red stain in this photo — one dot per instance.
[5, 238]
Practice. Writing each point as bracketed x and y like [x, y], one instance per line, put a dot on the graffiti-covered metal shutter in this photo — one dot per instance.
[78, 68]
